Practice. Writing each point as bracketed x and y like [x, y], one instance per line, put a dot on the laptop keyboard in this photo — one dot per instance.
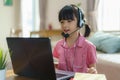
[58, 75]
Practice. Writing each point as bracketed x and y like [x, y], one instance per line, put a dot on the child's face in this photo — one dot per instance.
[68, 26]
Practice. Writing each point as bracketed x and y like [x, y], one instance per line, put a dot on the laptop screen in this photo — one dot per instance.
[32, 57]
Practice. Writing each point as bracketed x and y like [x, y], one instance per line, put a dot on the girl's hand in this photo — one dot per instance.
[92, 70]
[56, 64]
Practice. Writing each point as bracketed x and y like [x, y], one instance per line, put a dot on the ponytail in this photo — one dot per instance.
[87, 30]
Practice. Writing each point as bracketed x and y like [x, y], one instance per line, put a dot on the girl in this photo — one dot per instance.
[74, 52]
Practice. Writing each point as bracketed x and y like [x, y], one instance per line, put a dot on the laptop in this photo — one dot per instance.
[32, 57]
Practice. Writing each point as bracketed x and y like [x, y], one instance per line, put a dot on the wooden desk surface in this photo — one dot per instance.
[78, 76]
[11, 76]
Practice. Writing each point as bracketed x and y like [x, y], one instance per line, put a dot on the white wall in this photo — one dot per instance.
[55, 5]
[10, 16]
[8, 19]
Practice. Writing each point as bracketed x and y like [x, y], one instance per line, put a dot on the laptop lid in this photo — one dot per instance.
[32, 57]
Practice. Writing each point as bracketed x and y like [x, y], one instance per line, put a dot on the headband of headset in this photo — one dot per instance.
[81, 20]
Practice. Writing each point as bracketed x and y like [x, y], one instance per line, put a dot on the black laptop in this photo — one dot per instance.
[32, 57]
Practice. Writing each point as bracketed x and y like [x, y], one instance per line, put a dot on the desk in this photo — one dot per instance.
[81, 76]
[11, 76]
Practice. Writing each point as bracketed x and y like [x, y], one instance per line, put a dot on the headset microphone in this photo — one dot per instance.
[67, 35]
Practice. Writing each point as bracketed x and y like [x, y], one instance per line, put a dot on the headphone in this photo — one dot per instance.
[81, 20]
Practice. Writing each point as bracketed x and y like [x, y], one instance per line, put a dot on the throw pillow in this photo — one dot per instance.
[98, 37]
[110, 45]
[106, 42]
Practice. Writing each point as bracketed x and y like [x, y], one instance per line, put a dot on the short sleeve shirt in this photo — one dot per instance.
[76, 58]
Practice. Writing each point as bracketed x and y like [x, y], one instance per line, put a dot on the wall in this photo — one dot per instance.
[10, 16]
[55, 5]
[8, 19]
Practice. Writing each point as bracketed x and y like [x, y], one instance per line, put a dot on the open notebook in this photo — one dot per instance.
[32, 57]
[88, 76]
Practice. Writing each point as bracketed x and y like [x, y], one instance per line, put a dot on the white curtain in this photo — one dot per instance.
[42, 12]
[92, 6]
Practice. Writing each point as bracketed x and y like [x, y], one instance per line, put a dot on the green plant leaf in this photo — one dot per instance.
[1, 56]
[3, 59]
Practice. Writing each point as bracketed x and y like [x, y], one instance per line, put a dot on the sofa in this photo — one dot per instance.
[108, 54]
[109, 64]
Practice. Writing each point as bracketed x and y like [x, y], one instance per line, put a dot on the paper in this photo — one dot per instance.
[87, 76]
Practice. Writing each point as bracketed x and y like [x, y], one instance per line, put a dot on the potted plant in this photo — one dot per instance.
[3, 62]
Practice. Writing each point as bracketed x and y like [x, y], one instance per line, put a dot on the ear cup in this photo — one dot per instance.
[81, 18]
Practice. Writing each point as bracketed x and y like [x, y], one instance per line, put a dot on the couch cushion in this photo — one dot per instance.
[110, 45]
[106, 42]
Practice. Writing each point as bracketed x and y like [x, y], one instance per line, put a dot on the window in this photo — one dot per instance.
[30, 16]
[109, 15]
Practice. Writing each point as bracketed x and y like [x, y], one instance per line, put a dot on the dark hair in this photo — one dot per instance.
[87, 30]
[68, 12]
